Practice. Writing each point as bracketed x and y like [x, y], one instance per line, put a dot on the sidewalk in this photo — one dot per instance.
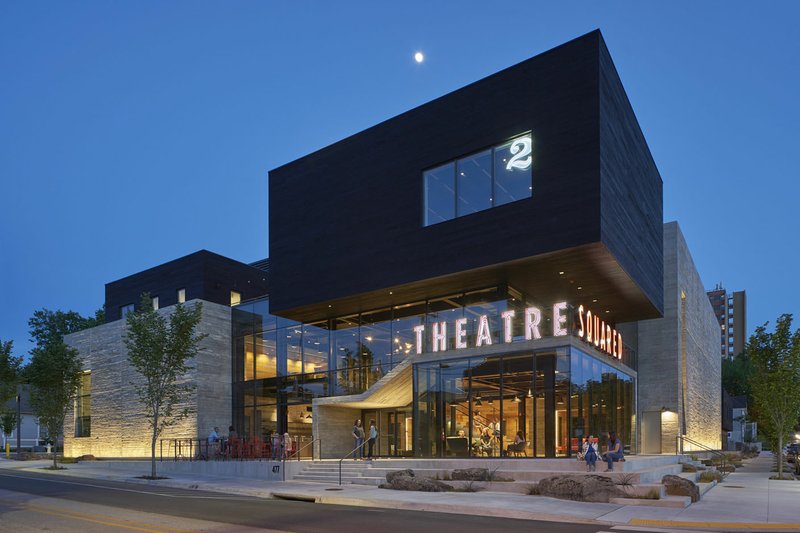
[747, 499]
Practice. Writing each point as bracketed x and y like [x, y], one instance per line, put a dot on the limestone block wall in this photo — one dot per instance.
[119, 426]
[334, 425]
[688, 327]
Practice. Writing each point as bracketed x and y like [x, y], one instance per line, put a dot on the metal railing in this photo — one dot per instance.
[354, 450]
[306, 445]
[199, 449]
[723, 459]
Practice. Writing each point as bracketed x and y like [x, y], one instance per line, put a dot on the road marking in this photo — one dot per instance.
[717, 525]
[103, 520]
[154, 493]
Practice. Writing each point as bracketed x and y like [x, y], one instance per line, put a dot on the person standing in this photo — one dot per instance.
[373, 436]
[358, 435]
[287, 445]
[275, 445]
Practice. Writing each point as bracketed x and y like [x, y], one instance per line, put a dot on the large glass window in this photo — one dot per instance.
[474, 183]
[440, 194]
[479, 181]
[83, 406]
[514, 182]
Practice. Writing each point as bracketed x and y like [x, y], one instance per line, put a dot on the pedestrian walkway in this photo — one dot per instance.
[747, 499]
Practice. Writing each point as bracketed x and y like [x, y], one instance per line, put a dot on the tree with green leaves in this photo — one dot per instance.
[53, 373]
[737, 373]
[51, 326]
[8, 421]
[55, 368]
[159, 349]
[775, 357]
[9, 372]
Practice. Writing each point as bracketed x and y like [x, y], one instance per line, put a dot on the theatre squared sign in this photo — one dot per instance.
[526, 326]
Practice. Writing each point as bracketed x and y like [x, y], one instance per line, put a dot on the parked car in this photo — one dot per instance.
[792, 451]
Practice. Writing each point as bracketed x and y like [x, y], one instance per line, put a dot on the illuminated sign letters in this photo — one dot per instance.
[521, 151]
[590, 328]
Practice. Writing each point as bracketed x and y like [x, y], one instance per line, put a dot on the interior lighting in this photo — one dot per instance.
[579, 288]
[516, 399]
[530, 393]
[560, 273]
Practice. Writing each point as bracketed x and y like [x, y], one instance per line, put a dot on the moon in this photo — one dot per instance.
[418, 57]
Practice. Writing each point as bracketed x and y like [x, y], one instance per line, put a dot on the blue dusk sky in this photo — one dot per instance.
[133, 133]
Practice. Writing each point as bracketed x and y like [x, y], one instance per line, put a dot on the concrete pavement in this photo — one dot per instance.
[747, 499]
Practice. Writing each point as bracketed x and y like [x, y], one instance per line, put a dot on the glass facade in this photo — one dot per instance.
[520, 402]
[537, 404]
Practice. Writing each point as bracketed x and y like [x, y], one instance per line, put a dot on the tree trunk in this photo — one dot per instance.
[55, 441]
[153, 455]
[780, 455]
[153, 447]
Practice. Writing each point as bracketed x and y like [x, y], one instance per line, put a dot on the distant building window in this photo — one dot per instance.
[236, 298]
[155, 303]
[83, 406]
[181, 296]
[125, 309]
[479, 181]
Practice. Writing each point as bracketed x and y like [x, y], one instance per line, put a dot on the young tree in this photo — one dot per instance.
[9, 372]
[54, 374]
[159, 350]
[8, 421]
[776, 373]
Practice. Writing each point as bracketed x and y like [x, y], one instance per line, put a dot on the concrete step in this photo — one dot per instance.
[679, 502]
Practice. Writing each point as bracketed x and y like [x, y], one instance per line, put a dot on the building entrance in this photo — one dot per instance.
[395, 431]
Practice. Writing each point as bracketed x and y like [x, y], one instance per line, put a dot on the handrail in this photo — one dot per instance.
[297, 452]
[346, 456]
[680, 439]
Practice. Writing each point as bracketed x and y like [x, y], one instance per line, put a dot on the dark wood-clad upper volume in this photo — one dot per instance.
[346, 222]
[204, 275]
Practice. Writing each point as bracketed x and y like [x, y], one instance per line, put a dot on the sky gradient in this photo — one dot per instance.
[133, 133]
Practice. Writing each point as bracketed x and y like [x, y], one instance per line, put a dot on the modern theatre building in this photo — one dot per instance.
[490, 264]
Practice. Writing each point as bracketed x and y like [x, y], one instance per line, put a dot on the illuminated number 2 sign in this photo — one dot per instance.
[521, 150]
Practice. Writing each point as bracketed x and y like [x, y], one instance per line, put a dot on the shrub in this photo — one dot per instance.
[469, 486]
[688, 467]
[652, 494]
[711, 475]
[532, 490]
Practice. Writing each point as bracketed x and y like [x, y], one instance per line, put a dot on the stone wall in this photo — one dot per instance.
[119, 426]
[334, 425]
[688, 329]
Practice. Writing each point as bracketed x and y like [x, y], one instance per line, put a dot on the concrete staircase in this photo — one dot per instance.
[636, 470]
[328, 472]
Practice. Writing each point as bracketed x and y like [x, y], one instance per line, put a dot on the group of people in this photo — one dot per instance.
[280, 445]
[359, 437]
[589, 452]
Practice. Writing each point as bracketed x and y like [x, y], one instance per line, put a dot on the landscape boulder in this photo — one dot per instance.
[406, 480]
[589, 488]
[678, 486]
[471, 474]
[391, 476]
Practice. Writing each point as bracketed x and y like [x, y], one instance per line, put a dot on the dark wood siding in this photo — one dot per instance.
[204, 275]
[346, 222]
[631, 204]
[348, 218]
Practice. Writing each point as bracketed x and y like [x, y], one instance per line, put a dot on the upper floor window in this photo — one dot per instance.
[181, 296]
[155, 303]
[479, 181]
[125, 309]
[236, 298]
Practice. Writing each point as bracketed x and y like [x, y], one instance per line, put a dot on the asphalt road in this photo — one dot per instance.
[107, 502]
